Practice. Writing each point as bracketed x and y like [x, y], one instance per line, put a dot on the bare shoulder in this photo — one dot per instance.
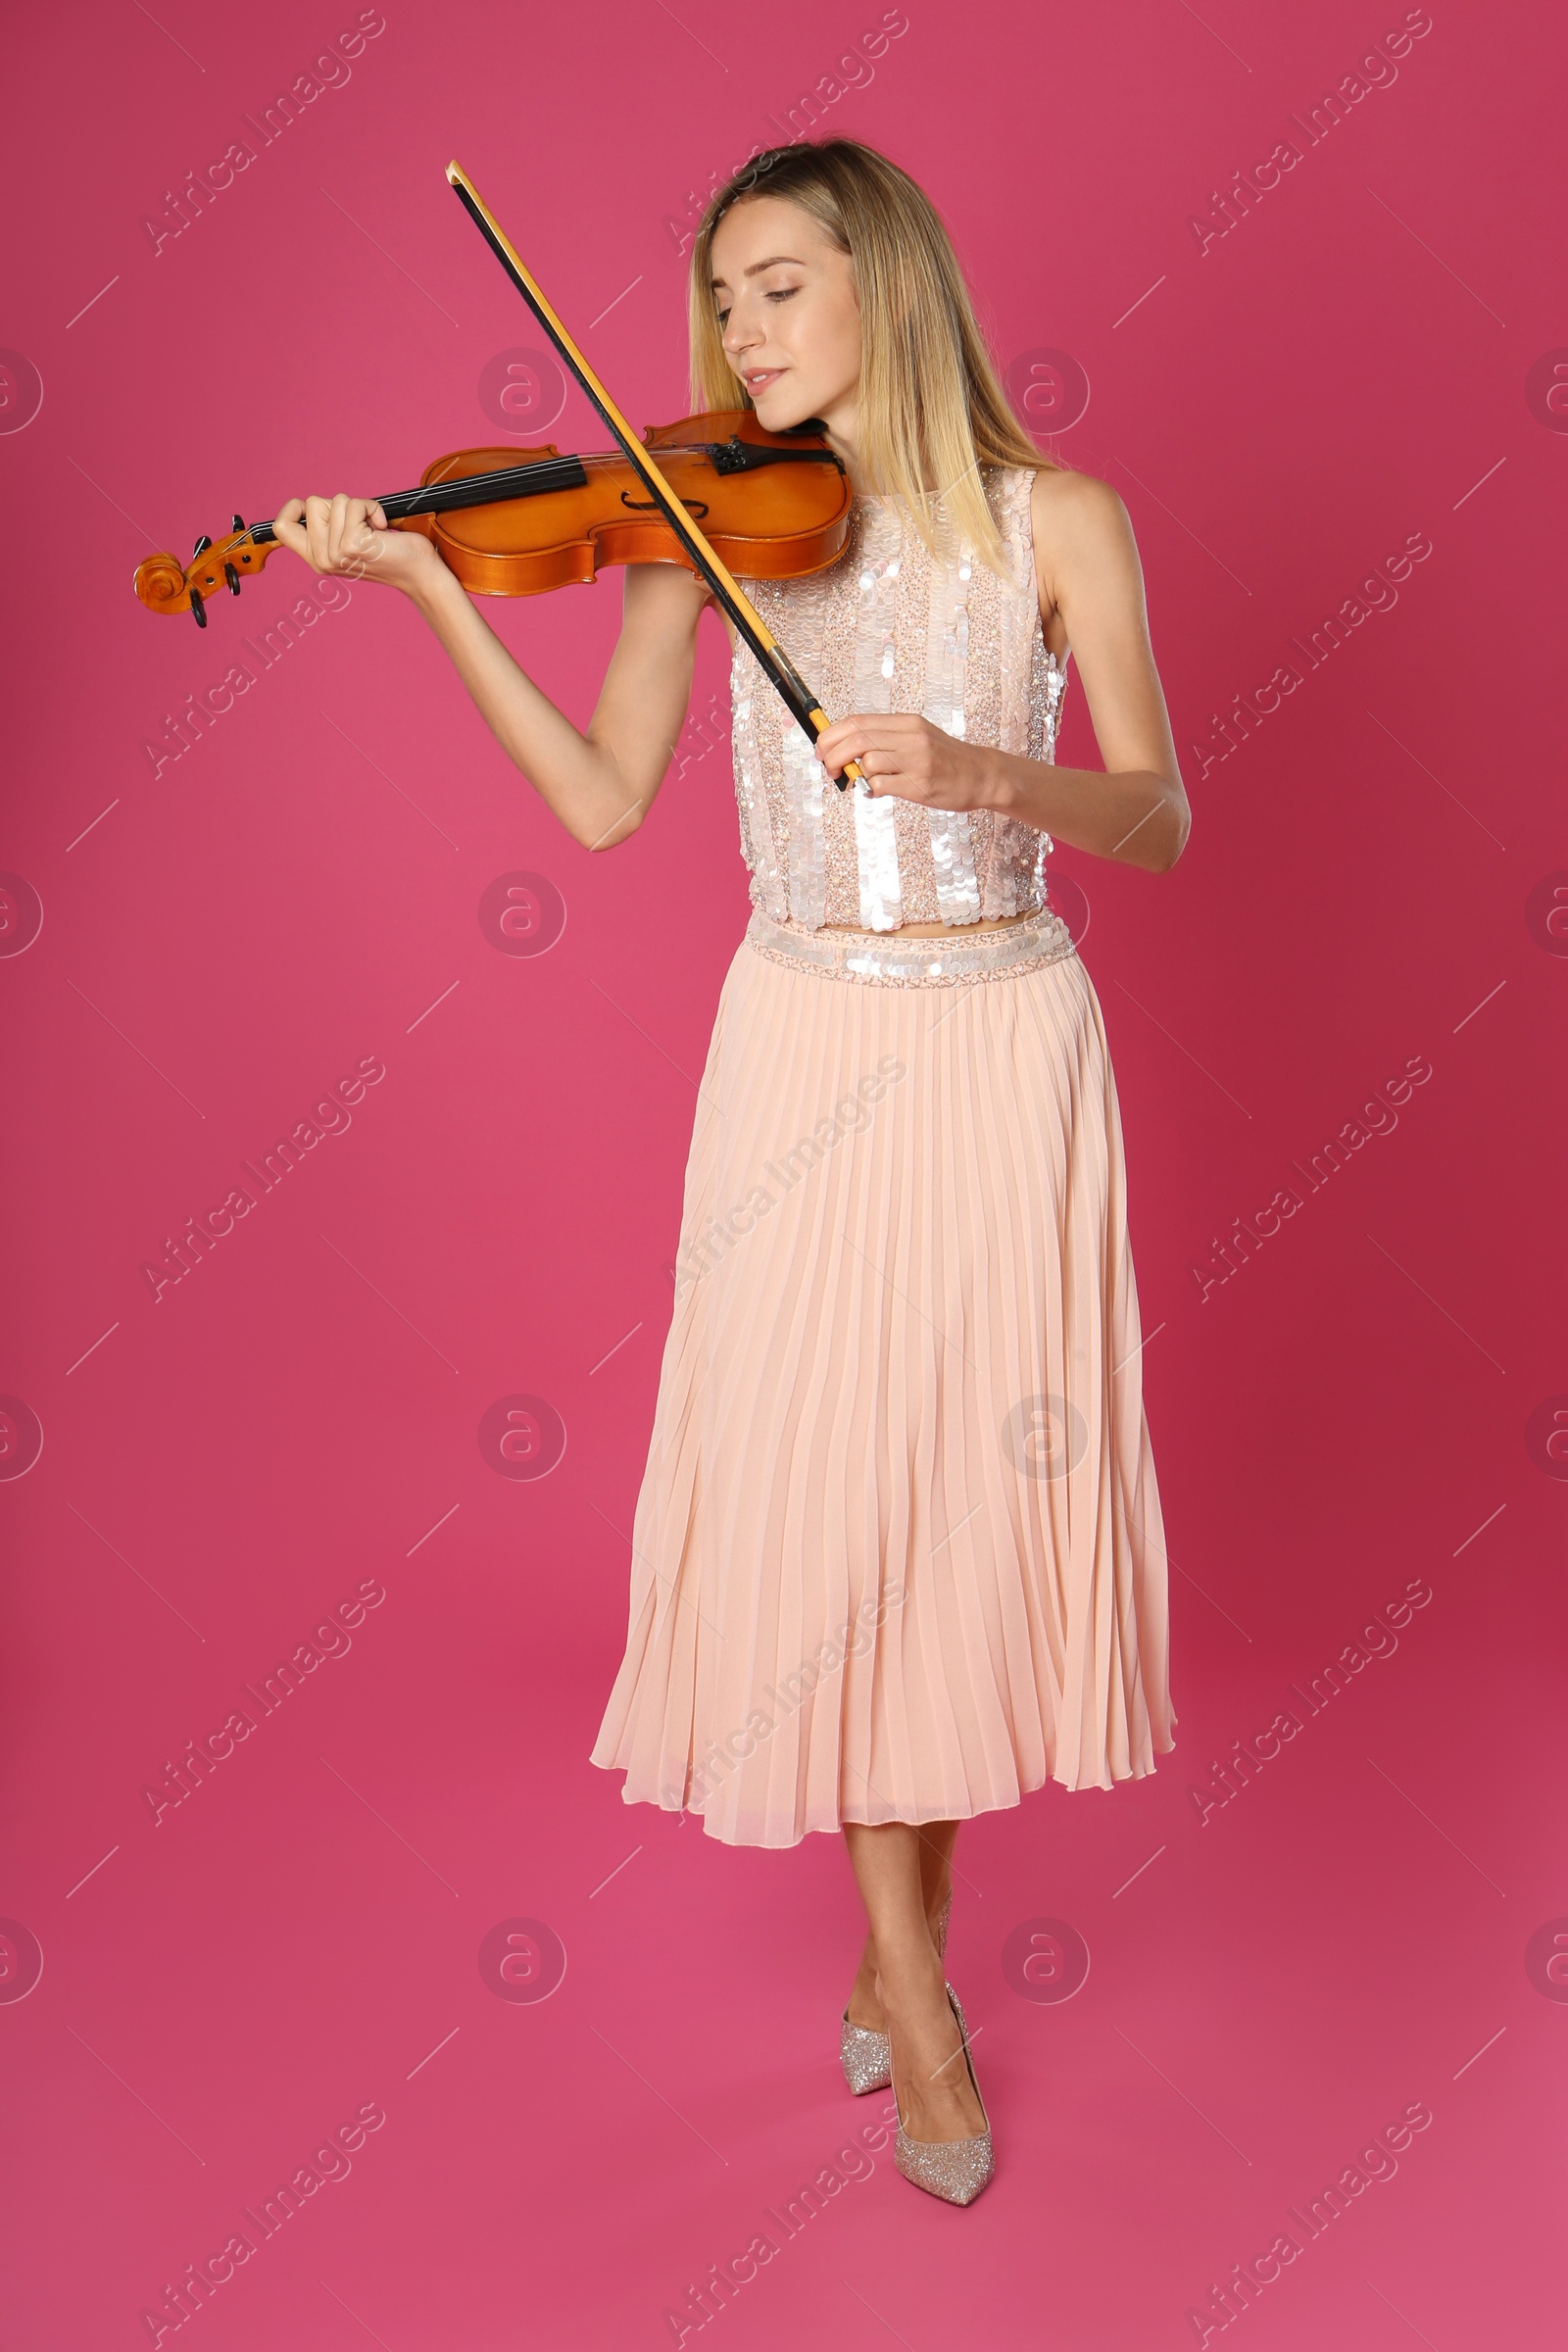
[1078, 512]
[1083, 536]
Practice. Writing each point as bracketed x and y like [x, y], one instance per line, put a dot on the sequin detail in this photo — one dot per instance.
[863, 2057]
[920, 961]
[891, 627]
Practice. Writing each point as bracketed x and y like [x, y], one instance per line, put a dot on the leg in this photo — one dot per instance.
[936, 1840]
[935, 2099]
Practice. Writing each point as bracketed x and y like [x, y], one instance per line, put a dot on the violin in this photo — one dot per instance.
[518, 522]
[784, 498]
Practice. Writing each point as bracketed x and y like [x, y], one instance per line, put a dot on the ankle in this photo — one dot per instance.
[911, 1985]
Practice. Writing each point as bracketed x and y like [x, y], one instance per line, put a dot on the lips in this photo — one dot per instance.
[760, 380]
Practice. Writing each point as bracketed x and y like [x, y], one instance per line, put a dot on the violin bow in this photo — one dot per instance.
[776, 664]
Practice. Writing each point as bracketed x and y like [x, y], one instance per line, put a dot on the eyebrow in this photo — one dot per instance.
[771, 262]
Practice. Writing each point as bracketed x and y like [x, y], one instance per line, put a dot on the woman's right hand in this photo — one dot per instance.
[351, 538]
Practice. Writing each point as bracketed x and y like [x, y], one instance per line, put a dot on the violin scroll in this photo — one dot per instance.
[166, 585]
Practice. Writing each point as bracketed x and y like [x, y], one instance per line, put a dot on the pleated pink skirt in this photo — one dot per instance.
[898, 1553]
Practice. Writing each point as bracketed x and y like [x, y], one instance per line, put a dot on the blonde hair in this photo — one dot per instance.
[931, 403]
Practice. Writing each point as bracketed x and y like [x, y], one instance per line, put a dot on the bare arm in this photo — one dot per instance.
[1091, 597]
[1089, 572]
[600, 783]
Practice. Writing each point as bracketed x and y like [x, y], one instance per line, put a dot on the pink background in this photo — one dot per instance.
[1368, 1403]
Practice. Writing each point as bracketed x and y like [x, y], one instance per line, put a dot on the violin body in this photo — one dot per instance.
[518, 522]
[767, 521]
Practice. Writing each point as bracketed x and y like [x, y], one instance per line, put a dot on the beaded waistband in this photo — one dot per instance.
[914, 962]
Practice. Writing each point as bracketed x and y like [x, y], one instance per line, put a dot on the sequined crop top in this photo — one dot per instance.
[888, 626]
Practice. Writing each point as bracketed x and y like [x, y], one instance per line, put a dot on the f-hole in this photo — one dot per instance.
[651, 506]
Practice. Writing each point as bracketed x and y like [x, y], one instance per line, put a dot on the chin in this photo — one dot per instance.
[780, 410]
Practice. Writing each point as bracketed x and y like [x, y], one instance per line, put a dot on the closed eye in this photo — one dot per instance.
[777, 294]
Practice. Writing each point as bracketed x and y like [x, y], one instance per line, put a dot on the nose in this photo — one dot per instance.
[738, 336]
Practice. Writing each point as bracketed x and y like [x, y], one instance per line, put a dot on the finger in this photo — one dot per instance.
[368, 537]
[871, 733]
[317, 514]
[374, 530]
[337, 530]
[286, 526]
[348, 551]
[324, 535]
[843, 739]
[352, 537]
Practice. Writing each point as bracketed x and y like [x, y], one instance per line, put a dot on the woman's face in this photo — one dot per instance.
[789, 314]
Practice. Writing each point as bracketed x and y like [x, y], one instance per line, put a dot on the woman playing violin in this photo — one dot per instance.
[898, 1553]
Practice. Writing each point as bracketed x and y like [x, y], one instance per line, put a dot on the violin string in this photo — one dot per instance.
[474, 489]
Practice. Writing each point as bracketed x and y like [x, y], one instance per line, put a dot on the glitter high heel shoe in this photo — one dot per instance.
[955, 2170]
[863, 2050]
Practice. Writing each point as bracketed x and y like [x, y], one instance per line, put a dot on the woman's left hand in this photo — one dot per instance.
[910, 758]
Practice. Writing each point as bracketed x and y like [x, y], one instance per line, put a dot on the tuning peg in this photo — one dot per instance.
[199, 608]
[202, 545]
[239, 522]
[232, 577]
